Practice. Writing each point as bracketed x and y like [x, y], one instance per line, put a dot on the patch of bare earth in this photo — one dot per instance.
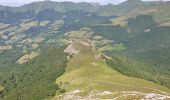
[27, 57]
[5, 48]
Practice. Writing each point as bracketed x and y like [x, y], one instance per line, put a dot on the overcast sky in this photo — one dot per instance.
[21, 2]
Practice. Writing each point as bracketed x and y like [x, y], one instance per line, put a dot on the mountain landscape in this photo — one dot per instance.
[85, 51]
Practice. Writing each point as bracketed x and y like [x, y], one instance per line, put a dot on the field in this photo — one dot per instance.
[122, 21]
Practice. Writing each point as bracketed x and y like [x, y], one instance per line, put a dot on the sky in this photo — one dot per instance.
[21, 2]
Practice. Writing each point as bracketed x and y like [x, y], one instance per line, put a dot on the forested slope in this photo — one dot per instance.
[34, 80]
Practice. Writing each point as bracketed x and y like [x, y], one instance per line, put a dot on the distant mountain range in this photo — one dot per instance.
[128, 8]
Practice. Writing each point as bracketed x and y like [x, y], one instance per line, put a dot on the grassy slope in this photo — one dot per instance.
[150, 48]
[1, 88]
[85, 72]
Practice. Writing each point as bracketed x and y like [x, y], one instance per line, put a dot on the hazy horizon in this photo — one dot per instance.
[22, 2]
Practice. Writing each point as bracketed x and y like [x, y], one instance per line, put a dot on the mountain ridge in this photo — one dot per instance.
[127, 8]
[87, 75]
[94, 5]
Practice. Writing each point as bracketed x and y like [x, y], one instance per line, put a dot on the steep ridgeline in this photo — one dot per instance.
[87, 76]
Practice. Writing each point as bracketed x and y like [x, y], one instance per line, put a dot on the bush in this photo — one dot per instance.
[62, 91]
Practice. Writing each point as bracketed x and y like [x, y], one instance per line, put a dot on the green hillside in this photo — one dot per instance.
[88, 76]
[144, 43]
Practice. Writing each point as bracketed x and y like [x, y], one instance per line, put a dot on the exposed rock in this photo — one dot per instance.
[71, 50]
